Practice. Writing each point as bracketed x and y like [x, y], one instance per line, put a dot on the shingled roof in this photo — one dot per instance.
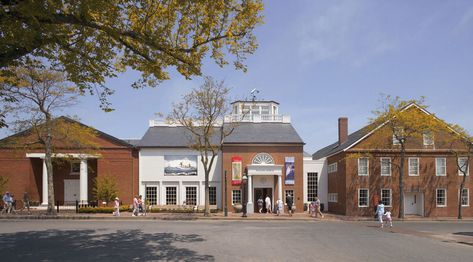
[244, 133]
[336, 147]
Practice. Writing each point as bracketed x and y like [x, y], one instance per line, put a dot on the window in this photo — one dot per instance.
[363, 165]
[397, 136]
[212, 195]
[363, 195]
[386, 196]
[385, 166]
[465, 197]
[441, 197]
[75, 167]
[236, 196]
[191, 195]
[428, 139]
[463, 166]
[441, 166]
[171, 195]
[151, 195]
[312, 186]
[333, 197]
[332, 168]
[413, 166]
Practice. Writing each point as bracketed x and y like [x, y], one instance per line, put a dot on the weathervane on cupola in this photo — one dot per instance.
[253, 94]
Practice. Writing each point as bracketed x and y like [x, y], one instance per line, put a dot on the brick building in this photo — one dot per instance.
[73, 179]
[357, 181]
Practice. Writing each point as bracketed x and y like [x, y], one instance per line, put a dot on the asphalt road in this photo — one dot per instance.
[88, 240]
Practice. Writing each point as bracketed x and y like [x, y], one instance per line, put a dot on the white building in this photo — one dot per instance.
[172, 174]
[315, 177]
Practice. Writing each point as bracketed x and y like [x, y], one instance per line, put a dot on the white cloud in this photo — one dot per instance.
[342, 32]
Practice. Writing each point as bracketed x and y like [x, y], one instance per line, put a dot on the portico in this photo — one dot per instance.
[83, 174]
[261, 174]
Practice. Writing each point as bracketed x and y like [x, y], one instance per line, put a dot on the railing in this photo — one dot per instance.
[258, 118]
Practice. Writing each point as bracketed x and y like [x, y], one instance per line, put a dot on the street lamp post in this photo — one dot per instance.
[244, 181]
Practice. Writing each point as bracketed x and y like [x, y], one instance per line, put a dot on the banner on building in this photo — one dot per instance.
[289, 164]
[236, 170]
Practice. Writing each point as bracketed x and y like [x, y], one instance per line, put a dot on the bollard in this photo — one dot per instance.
[77, 206]
[57, 206]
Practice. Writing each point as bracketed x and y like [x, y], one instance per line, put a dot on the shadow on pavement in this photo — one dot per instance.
[91, 245]
[470, 234]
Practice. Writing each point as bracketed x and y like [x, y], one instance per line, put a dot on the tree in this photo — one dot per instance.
[201, 112]
[461, 146]
[105, 188]
[92, 40]
[401, 123]
[32, 95]
[3, 184]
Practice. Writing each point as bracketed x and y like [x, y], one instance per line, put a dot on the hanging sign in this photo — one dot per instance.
[236, 170]
[289, 164]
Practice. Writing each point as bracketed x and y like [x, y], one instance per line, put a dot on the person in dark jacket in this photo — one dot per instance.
[289, 202]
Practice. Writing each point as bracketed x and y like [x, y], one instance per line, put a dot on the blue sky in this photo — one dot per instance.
[325, 59]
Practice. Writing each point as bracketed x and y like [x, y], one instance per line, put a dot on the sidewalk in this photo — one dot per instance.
[214, 216]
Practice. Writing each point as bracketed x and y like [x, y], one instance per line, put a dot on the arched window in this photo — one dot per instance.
[263, 159]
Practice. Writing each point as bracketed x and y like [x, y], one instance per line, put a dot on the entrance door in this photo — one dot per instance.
[262, 193]
[71, 190]
[413, 203]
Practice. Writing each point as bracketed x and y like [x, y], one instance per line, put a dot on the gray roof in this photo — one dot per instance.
[132, 141]
[336, 148]
[264, 133]
[307, 154]
[244, 133]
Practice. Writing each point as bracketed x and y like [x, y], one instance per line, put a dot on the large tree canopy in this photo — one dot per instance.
[92, 40]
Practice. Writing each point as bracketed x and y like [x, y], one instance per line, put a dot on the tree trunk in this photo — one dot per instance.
[49, 167]
[462, 185]
[207, 202]
[401, 182]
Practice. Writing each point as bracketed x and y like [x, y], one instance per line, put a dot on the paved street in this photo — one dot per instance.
[107, 240]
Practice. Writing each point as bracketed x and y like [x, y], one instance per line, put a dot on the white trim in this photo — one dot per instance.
[367, 166]
[367, 197]
[390, 196]
[409, 166]
[436, 197]
[436, 166]
[381, 166]
[467, 197]
[424, 140]
[63, 155]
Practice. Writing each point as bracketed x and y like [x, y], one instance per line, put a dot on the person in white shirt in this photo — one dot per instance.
[280, 206]
[267, 200]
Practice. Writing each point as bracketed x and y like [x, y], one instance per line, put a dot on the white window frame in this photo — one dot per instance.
[467, 197]
[367, 197]
[436, 197]
[396, 141]
[367, 166]
[381, 166]
[211, 195]
[409, 166]
[390, 196]
[332, 168]
[333, 197]
[460, 173]
[428, 139]
[166, 195]
[233, 198]
[196, 195]
[437, 166]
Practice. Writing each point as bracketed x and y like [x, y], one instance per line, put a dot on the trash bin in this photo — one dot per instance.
[322, 207]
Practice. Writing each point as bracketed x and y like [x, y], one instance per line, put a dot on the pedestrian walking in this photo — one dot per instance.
[260, 204]
[116, 206]
[380, 213]
[135, 206]
[289, 202]
[7, 203]
[280, 206]
[267, 200]
[141, 210]
[312, 208]
[26, 202]
[387, 217]
[317, 208]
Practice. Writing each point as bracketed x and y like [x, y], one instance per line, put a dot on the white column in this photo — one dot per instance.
[249, 205]
[280, 190]
[45, 184]
[83, 182]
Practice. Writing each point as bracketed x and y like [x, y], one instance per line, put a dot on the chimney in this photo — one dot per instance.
[342, 130]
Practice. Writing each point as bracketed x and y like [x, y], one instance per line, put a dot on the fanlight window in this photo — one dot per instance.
[263, 159]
